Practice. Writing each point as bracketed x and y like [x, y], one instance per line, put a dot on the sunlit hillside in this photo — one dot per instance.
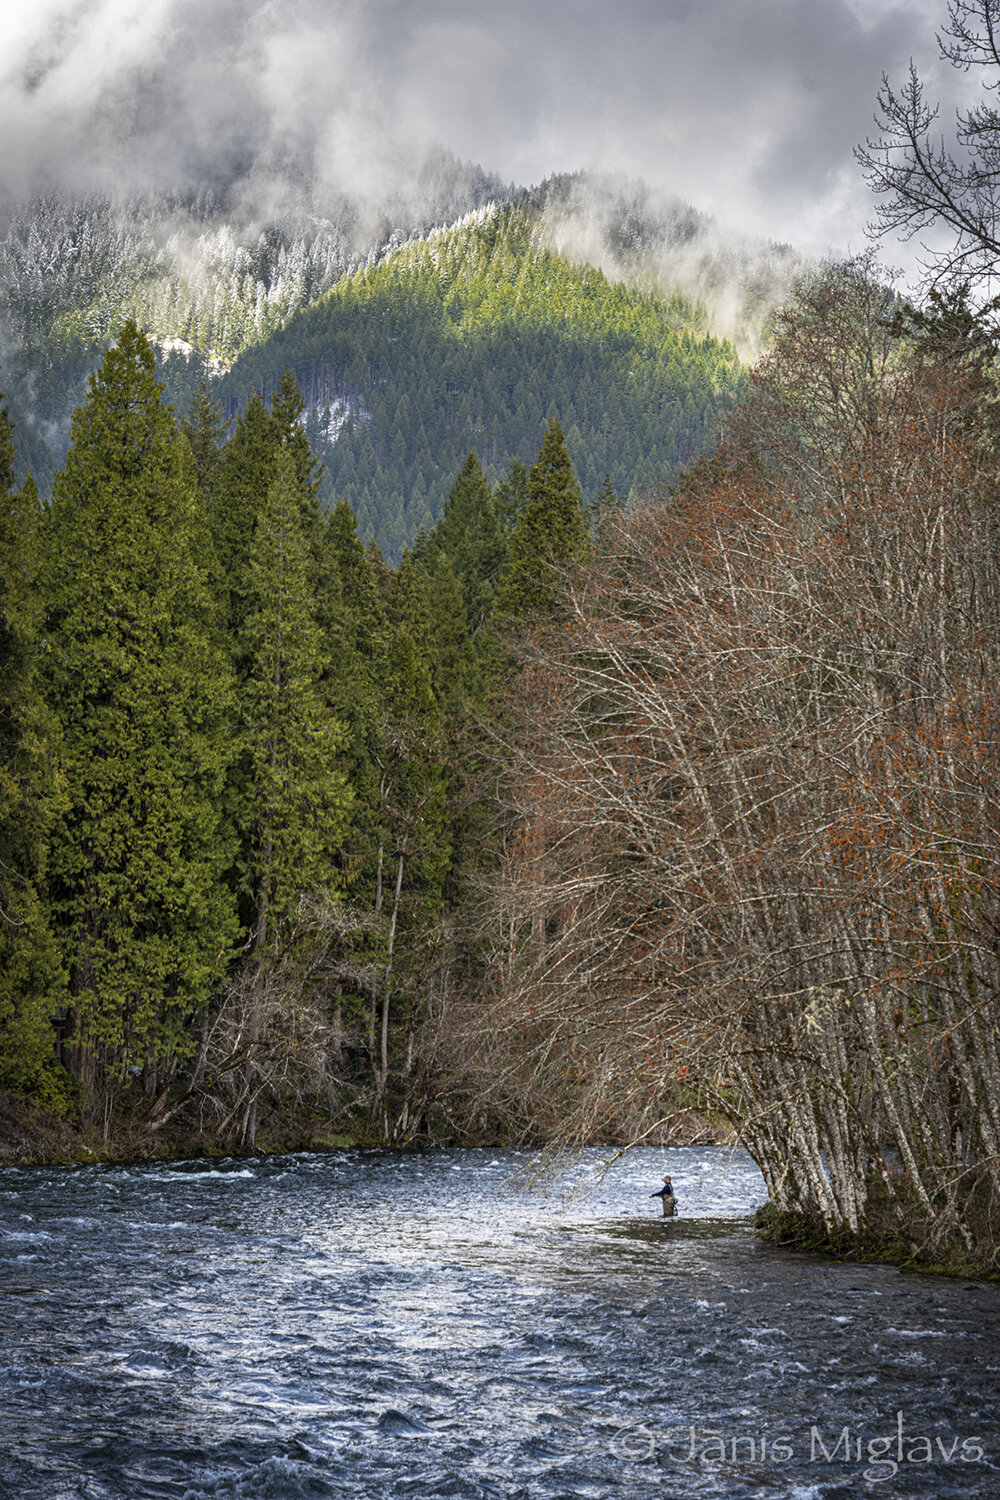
[470, 339]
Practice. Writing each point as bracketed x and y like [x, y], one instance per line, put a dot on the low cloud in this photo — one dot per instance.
[748, 110]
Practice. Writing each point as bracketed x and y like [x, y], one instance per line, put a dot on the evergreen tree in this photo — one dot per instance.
[247, 473]
[450, 649]
[472, 534]
[512, 493]
[288, 412]
[549, 534]
[607, 504]
[412, 825]
[143, 695]
[205, 429]
[30, 975]
[462, 671]
[293, 796]
[358, 644]
[604, 512]
[408, 604]
[365, 621]
[249, 466]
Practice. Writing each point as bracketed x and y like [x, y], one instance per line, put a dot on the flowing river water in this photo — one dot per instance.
[373, 1324]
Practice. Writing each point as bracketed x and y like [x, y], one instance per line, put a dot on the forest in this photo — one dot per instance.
[575, 816]
[233, 765]
[578, 821]
[413, 337]
[205, 271]
[472, 338]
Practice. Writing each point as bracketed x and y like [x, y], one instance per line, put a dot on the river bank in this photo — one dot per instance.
[32, 1137]
[875, 1244]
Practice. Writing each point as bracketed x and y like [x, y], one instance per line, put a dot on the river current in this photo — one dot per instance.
[378, 1324]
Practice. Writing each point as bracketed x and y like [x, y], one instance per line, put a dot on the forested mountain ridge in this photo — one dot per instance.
[470, 338]
[664, 245]
[205, 273]
[215, 273]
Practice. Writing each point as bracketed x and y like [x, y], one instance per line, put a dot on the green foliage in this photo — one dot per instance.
[548, 537]
[461, 341]
[31, 980]
[473, 536]
[143, 696]
[249, 466]
[606, 507]
[293, 799]
[247, 471]
[205, 429]
[248, 707]
[357, 642]
[413, 820]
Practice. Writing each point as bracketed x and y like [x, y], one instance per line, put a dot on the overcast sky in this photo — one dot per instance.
[747, 108]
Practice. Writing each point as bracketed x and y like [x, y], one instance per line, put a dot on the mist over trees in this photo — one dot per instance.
[645, 780]
[403, 371]
[576, 822]
[206, 272]
[469, 339]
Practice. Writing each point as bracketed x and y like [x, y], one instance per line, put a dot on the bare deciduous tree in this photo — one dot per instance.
[922, 182]
[753, 853]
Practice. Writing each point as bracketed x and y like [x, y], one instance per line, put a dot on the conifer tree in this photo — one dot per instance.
[293, 795]
[288, 413]
[30, 974]
[413, 842]
[607, 503]
[450, 645]
[205, 429]
[247, 472]
[512, 493]
[364, 613]
[408, 604]
[471, 532]
[249, 466]
[549, 534]
[143, 694]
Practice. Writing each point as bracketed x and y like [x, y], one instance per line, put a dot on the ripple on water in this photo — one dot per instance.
[376, 1324]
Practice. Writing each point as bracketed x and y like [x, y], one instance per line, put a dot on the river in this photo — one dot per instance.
[376, 1324]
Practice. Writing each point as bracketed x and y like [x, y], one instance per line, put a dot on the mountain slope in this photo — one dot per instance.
[641, 236]
[205, 275]
[470, 338]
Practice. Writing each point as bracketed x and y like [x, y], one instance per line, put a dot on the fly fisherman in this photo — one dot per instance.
[667, 1194]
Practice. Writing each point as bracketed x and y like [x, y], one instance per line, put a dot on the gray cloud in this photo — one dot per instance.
[747, 108]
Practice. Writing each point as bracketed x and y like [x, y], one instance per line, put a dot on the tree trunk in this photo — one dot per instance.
[383, 1073]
